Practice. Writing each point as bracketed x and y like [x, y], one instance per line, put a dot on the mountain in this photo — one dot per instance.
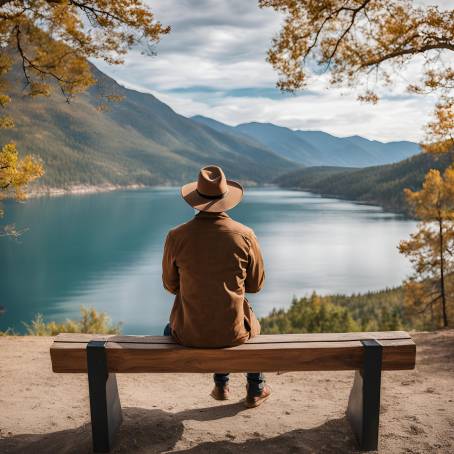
[401, 149]
[234, 132]
[216, 125]
[380, 185]
[139, 140]
[317, 148]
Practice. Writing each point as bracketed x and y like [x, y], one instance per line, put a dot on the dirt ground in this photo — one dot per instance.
[43, 412]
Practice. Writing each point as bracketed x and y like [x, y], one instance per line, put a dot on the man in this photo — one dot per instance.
[209, 263]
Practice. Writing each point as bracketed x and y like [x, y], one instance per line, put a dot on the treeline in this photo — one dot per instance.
[380, 185]
[373, 311]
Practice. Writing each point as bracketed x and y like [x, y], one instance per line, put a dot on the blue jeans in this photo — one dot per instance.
[256, 380]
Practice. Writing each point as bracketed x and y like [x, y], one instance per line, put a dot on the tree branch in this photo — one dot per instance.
[21, 52]
[347, 30]
[27, 62]
[410, 51]
[427, 305]
[95, 11]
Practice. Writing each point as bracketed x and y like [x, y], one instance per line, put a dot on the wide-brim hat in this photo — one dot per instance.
[212, 192]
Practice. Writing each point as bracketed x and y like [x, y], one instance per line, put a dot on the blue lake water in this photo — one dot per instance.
[104, 250]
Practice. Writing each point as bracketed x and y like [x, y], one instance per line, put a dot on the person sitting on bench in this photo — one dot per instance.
[209, 263]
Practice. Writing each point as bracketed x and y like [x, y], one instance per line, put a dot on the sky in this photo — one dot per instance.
[213, 63]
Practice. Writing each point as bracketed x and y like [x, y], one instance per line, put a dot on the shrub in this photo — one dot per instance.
[8, 332]
[91, 322]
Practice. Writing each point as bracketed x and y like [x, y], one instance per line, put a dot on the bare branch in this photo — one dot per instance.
[347, 30]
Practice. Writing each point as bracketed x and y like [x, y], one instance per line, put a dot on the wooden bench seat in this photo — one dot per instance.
[101, 357]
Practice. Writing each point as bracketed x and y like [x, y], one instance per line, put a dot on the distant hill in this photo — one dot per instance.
[381, 185]
[316, 148]
[139, 141]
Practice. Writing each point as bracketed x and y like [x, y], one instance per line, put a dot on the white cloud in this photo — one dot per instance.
[217, 47]
[389, 120]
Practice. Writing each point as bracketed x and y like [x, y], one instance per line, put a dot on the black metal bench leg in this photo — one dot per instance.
[363, 409]
[105, 405]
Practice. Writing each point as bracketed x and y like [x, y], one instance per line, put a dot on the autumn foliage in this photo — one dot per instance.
[430, 291]
[51, 41]
[367, 43]
[16, 173]
[54, 38]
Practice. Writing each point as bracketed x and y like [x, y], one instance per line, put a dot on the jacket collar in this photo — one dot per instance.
[208, 215]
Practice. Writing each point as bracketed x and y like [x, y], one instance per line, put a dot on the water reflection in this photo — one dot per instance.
[104, 250]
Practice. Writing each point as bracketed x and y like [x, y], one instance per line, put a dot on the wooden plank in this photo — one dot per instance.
[328, 337]
[68, 357]
[82, 337]
[398, 354]
[306, 356]
[263, 339]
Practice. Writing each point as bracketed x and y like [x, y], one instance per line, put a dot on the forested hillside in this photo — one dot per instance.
[140, 140]
[372, 311]
[381, 185]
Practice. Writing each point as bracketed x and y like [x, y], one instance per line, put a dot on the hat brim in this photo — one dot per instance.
[230, 199]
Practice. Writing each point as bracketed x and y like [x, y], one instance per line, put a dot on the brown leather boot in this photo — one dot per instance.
[255, 401]
[220, 392]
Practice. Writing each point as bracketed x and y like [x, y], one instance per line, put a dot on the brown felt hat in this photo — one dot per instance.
[212, 192]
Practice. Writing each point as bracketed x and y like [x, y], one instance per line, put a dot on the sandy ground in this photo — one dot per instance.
[42, 412]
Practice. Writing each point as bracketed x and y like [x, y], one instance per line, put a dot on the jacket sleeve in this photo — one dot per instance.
[255, 277]
[170, 275]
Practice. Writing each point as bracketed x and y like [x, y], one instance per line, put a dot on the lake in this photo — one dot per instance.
[104, 250]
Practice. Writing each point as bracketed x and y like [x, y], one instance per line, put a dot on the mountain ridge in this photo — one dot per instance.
[139, 140]
[143, 141]
[315, 148]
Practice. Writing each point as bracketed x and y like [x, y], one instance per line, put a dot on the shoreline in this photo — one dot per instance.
[80, 189]
[347, 199]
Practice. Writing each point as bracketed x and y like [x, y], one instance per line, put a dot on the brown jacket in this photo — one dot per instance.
[209, 263]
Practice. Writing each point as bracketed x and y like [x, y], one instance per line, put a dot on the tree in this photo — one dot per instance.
[51, 41]
[431, 248]
[351, 39]
[314, 314]
[15, 174]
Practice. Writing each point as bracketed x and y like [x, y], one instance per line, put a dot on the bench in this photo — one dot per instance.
[367, 353]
